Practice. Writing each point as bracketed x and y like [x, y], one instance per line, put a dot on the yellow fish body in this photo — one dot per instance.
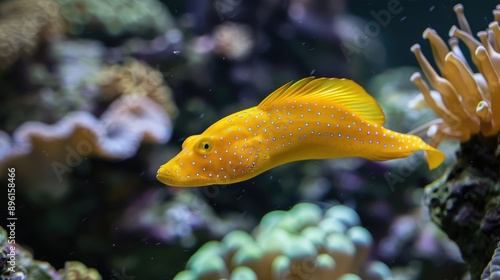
[314, 118]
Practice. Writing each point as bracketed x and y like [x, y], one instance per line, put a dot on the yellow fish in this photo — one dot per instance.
[314, 118]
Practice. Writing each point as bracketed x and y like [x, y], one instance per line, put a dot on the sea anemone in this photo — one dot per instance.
[466, 102]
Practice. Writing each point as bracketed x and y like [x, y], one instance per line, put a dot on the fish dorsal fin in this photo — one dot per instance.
[329, 91]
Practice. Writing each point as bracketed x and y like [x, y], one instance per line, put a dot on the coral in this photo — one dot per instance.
[78, 271]
[492, 271]
[233, 40]
[301, 243]
[465, 201]
[49, 151]
[28, 268]
[25, 25]
[135, 78]
[52, 90]
[178, 219]
[116, 18]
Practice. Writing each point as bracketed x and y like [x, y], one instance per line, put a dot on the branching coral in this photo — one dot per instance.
[469, 102]
[302, 243]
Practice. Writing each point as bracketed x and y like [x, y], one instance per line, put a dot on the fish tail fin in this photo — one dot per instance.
[434, 157]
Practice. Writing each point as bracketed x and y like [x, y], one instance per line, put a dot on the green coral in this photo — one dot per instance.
[117, 17]
[302, 243]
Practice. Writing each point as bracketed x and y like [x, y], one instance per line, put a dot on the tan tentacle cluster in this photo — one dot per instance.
[469, 101]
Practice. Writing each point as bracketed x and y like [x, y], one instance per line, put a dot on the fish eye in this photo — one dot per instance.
[205, 145]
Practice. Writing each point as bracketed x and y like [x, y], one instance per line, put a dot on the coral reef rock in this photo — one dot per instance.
[18, 264]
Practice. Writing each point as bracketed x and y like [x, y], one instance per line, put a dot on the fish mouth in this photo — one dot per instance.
[167, 178]
[170, 179]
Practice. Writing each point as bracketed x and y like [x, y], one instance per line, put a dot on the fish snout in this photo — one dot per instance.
[164, 175]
